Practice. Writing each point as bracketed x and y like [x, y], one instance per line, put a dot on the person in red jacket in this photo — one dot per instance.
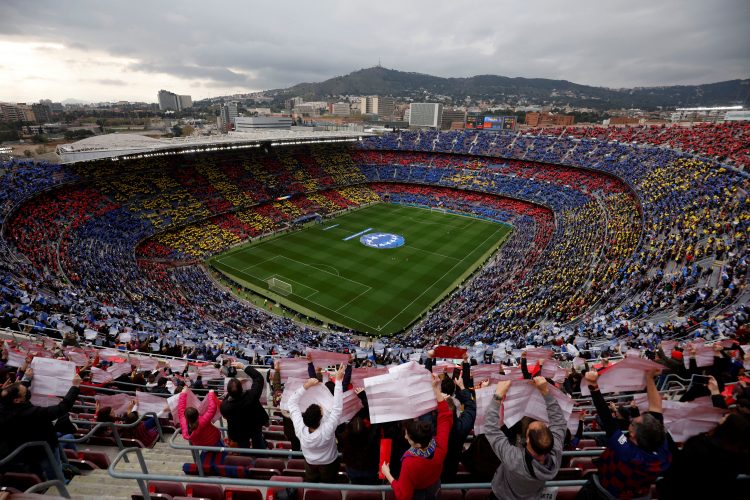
[422, 463]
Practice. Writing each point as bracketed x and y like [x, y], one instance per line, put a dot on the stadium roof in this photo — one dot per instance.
[125, 146]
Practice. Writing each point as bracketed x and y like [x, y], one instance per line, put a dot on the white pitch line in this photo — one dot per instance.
[433, 283]
[324, 271]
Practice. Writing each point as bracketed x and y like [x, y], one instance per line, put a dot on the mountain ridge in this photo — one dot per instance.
[502, 89]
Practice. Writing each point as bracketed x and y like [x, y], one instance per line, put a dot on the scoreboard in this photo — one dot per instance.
[490, 122]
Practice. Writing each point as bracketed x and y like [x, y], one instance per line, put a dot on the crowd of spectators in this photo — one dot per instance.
[648, 437]
[643, 232]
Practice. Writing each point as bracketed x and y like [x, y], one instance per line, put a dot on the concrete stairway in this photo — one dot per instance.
[98, 484]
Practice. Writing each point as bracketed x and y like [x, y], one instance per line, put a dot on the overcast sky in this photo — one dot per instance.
[128, 50]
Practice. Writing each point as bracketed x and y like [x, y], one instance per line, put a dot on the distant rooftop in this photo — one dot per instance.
[126, 146]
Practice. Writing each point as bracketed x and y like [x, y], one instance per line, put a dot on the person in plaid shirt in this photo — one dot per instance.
[631, 462]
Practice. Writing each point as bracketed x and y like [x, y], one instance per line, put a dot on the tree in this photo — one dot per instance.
[28, 153]
[177, 131]
[187, 130]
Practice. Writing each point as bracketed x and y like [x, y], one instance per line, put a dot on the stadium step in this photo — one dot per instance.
[161, 459]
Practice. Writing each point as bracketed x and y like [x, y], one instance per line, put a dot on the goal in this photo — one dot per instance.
[438, 209]
[280, 287]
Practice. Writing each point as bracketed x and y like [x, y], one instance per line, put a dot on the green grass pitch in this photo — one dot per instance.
[370, 290]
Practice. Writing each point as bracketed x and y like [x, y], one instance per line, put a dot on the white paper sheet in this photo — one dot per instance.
[324, 359]
[118, 402]
[405, 392]
[293, 368]
[146, 403]
[626, 375]
[209, 373]
[52, 377]
[119, 369]
[99, 376]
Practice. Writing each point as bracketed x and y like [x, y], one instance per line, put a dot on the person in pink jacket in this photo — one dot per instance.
[199, 429]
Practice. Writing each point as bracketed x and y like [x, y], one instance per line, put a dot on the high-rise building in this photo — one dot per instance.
[340, 109]
[184, 102]
[425, 114]
[451, 117]
[227, 116]
[378, 105]
[385, 106]
[169, 101]
[20, 112]
[41, 113]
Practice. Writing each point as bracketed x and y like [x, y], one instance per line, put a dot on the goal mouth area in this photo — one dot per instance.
[281, 287]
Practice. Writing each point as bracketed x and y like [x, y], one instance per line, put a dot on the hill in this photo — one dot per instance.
[503, 89]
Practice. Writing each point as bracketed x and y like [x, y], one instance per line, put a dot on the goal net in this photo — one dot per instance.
[280, 287]
[438, 209]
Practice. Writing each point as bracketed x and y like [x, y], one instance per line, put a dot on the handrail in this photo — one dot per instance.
[59, 483]
[143, 476]
[115, 426]
[292, 453]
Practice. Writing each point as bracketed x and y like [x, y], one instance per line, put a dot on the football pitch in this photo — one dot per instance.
[327, 271]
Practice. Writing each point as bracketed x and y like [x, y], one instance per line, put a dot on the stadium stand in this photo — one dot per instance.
[629, 255]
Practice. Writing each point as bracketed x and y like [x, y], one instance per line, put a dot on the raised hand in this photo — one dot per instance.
[310, 382]
[541, 384]
[502, 388]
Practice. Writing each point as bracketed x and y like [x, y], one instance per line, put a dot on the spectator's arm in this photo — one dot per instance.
[494, 434]
[716, 398]
[654, 397]
[253, 394]
[205, 419]
[609, 424]
[331, 418]
[54, 412]
[181, 404]
[429, 362]
[347, 377]
[294, 412]
[465, 421]
[466, 374]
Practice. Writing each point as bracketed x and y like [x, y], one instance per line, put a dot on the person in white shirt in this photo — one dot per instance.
[316, 430]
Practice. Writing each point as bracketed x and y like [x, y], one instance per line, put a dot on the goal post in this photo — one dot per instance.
[280, 287]
[439, 210]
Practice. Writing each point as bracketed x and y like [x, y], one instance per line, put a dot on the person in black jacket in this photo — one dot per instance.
[243, 411]
[22, 422]
[462, 426]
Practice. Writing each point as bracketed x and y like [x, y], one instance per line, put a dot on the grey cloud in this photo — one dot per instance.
[276, 44]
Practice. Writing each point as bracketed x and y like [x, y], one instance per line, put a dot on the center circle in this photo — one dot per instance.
[382, 240]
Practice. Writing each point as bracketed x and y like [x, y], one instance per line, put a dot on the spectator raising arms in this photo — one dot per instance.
[522, 472]
[22, 422]
[422, 463]
[243, 411]
[316, 432]
[631, 463]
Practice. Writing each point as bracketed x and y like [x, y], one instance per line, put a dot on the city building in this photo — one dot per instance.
[169, 101]
[253, 123]
[184, 102]
[543, 119]
[20, 112]
[425, 114]
[378, 105]
[227, 116]
[340, 109]
[703, 114]
[453, 118]
[737, 116]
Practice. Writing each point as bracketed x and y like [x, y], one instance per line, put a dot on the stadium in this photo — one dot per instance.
[587, 243]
